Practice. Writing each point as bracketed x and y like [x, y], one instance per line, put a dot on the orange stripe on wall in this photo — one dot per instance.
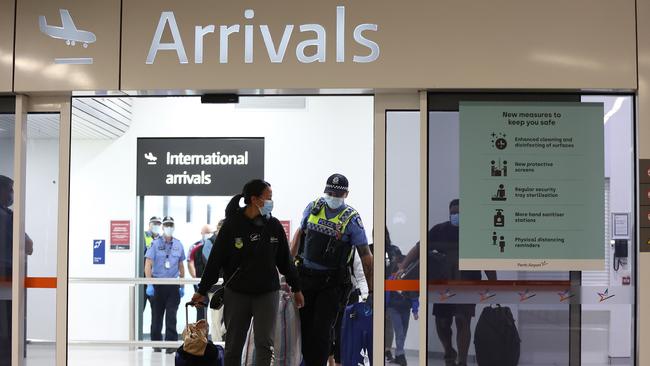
[40, 282]
[414, 285]
[402, 285]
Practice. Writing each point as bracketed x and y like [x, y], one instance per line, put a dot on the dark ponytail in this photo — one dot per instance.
[254, 188]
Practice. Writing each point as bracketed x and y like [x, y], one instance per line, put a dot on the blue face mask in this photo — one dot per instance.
[334, 202]
[453, 218]
[267, 208]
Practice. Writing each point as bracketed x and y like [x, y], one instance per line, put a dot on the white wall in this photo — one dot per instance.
[302, 148]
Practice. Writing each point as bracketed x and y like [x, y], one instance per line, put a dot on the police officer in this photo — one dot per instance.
[165, 260]
[332, 230]
[251, 248]
[155, 230]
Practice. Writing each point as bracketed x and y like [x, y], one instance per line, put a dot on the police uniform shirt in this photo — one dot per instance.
[354, 233]
[166, 256]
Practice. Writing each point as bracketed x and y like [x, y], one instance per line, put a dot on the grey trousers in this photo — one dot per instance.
[238, 310]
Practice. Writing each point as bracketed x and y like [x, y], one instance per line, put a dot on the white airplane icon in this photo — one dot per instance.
[151, 157]
[68, 31]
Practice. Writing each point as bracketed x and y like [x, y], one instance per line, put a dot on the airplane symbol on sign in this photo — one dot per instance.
[151, 158]
[70, 34]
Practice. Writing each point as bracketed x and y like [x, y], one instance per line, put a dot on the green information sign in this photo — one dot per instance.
[531, 186]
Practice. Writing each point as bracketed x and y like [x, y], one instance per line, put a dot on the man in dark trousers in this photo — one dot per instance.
[443, 238]
[332, 230]
[165, 260]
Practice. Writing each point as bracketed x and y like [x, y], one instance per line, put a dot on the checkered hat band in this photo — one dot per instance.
[335, 187]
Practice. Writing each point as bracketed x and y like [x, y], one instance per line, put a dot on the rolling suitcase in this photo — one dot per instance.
[212, 356]
[356, 335]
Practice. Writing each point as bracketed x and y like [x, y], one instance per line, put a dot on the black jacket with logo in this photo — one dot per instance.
[259, 248]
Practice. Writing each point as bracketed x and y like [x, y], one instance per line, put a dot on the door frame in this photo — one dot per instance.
[60, 104]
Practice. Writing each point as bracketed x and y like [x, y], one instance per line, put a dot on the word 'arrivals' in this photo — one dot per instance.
[276, 49]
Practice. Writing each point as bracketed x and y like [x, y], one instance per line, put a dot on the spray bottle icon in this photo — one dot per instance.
[499, 219]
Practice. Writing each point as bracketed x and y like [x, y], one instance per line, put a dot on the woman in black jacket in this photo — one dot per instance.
[250, 248]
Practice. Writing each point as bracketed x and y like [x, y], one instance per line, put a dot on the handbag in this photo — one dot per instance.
[216, 302]
[195, 335]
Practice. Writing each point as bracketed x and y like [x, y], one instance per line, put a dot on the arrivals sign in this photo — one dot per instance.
[198, 166]
[246, 47]
[531, 186]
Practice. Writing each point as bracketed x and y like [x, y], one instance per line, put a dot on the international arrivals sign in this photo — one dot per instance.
[198, 166]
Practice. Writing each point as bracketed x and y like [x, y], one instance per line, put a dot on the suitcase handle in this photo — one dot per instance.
[187, 310]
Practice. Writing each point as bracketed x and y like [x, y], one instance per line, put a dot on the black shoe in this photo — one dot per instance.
[389, 356]
[450, 358]
[157, 349]
[169, 351]
[400, 360]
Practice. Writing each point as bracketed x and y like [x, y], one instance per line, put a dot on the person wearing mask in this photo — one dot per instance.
[196, 260]
[250, 248]
[332, 231]
[155, 230]
[443, 238]
[6, 263]
[217, 326]
[165, 260]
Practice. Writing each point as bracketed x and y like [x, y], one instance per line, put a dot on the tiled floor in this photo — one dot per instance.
[39, 355]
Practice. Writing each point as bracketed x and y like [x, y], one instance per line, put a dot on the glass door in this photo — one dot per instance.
[38, 183]
[560, 317]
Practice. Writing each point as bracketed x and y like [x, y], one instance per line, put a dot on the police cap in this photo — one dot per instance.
[336, 183]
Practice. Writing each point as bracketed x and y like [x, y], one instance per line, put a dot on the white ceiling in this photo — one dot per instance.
[92, 119]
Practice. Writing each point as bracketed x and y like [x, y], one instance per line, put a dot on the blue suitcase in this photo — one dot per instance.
[356, 335]
[214, 356]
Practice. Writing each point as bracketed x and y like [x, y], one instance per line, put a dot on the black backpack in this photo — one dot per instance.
[496, 338]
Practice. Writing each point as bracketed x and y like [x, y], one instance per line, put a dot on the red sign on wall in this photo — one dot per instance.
[286, 224]
[120, 234]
